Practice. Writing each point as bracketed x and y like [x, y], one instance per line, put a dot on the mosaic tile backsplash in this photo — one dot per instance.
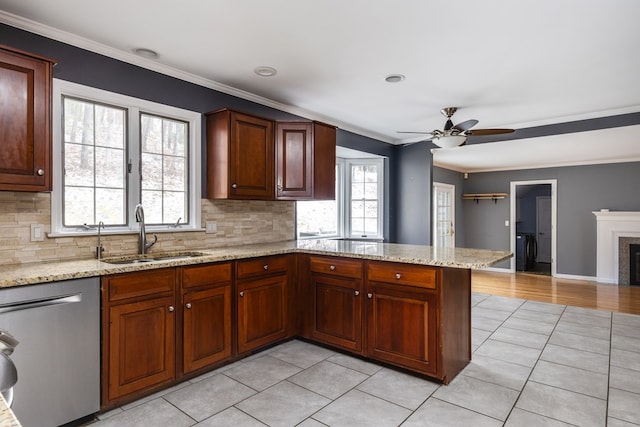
[238, 222]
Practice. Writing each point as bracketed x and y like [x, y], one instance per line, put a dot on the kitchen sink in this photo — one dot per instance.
[141, 259]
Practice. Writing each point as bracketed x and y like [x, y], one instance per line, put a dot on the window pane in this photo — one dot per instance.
[357, 227]
[78, 206]
[94, 163]
[317, 218]
[164, 168]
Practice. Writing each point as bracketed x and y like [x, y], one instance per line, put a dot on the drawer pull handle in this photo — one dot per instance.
[266, 266]
[242, 294]
[171, 308]
[357, 293]
[188, 305]
[234, 185]
[332, 268]
[40, 172]
[369, 295]
[398, 276]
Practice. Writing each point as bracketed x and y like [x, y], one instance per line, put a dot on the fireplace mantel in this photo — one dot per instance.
[610, 227]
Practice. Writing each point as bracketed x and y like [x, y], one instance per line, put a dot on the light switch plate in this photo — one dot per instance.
[37, 232]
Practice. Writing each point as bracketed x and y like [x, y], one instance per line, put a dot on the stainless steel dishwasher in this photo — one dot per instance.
[58, 359]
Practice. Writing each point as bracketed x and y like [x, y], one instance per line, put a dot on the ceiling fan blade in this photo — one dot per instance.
[422, 133]
[480, 132]
[466, 125]
[416, 142]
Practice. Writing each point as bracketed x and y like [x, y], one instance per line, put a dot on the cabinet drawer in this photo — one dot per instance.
[263, 265]
[205, 274]
[403, 274]
[336, 266]
[133, 285]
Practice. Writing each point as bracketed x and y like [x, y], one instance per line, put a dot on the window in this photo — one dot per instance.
[444, 215]
[112, 152]
[357, 210]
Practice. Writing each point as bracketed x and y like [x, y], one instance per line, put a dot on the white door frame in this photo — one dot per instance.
[554, 216]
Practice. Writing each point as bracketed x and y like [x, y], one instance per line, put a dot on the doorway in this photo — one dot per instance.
[533, 230]
[444, 215]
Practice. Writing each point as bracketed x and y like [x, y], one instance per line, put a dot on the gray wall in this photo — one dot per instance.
[581, 190]
[413, 194]
[456, 179]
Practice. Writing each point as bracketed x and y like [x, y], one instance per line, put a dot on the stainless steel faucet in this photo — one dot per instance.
[143, 245]
[99, 248]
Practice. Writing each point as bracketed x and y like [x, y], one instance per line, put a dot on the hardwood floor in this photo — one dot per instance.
[578, 293]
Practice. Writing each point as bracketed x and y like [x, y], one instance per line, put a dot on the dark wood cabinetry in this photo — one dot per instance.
[250, 157]
[262, 301]
[25, 121]
[305, 161]
[336, 301]
[240, 156]
[206, 326]
[139, 332]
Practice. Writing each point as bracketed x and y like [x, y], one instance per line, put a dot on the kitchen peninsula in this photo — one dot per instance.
[407, 306]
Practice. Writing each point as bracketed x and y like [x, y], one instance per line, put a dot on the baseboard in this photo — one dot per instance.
[576, 277]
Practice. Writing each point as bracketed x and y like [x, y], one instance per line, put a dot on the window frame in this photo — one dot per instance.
[343, 199]
[134, 107]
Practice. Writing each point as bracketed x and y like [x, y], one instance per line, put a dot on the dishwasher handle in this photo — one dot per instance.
[42, 302]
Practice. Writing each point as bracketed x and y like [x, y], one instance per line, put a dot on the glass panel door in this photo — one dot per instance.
[443, 215]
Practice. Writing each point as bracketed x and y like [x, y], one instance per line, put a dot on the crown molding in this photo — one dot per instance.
[130, 58]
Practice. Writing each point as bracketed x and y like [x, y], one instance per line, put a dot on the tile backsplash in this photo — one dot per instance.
[237, 221]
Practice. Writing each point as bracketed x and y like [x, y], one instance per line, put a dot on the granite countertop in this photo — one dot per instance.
[26, 274]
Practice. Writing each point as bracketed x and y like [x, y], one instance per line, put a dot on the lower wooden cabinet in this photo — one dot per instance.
[206, 319]
[139, 330]
[336, 301]
[262, 302]
[402, 326]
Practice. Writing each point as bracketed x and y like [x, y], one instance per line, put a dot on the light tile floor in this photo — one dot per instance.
[534, 364]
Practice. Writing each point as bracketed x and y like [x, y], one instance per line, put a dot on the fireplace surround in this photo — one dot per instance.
[615, 232]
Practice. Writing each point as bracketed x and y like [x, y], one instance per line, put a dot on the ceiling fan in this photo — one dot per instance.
[454, 136]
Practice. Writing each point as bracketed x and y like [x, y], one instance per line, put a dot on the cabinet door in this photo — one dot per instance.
[337, 311]
[141, 345]
[251, 157]
[206, 327]
[25, 121]
[324, 162]
[262, 312]
[294, 161]
[401, 325]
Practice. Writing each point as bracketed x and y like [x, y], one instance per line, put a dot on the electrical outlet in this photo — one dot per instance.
[506, 222]
[212, 227]
[37, 232]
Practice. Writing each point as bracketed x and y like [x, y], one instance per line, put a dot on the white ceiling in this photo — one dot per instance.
[506, 63]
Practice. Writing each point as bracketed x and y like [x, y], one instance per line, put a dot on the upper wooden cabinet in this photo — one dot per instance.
[25, 121]
[247, 159]
[240, 156]
[305, 161]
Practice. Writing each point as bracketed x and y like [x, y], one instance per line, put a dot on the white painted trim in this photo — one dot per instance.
[540, 166]
[576, 277]
[129, 57]
[554, 220]
[610, 227]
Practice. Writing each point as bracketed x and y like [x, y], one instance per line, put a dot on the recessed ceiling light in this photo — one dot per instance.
[145, 53]
[265, 71]
[394, 78]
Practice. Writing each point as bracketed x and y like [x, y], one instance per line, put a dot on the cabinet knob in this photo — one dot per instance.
[188, 305]
[398, 276]
[266, 266]
[369, 295]
[40, 172]
[171, 308]
[242, 293]
[234, 185]
[332, 268]
[356, 293]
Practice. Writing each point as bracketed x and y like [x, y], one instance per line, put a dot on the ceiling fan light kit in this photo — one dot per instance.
[449, 141]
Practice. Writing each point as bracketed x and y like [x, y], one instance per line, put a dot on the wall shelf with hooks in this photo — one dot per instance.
[484, 196]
